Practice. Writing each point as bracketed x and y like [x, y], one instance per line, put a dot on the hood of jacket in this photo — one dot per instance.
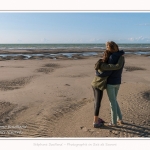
[115, 56]
[118, 53]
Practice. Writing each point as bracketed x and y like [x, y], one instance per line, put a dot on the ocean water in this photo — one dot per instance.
[49, 46]
[70, 54]
[68, 46]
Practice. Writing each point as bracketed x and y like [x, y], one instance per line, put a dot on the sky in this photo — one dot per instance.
[74, 27]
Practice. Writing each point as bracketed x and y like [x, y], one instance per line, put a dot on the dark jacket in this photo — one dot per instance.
[115, 75]
[101, 82]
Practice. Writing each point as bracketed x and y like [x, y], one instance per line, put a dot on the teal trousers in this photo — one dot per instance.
[112, 91]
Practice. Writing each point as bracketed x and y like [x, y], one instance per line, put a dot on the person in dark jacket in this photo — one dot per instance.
[113, 82]
[99, 84]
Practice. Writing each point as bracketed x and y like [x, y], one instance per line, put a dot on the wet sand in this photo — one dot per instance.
[53, 98]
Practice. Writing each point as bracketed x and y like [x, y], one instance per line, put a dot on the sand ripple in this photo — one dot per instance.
[14, 84]
[133, 68]
[47, 68]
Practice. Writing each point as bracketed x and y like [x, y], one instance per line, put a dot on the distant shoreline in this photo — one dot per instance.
[62, 54]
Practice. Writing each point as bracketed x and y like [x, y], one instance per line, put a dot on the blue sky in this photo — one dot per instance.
[74, 27]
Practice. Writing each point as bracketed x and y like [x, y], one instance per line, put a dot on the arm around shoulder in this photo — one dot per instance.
[105, 66]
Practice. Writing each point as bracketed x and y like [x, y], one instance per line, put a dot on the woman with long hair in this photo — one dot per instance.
[113, 82]
[99, 84]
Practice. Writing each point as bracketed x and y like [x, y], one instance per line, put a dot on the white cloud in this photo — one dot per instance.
[144, 24]
[131, 39]
[139, 39]
[44, 40]
[19, 41]
[94, 40]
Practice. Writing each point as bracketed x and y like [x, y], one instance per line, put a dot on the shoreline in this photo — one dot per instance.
[61, 54]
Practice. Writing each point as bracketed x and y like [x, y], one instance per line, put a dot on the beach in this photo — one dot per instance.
[52, 96]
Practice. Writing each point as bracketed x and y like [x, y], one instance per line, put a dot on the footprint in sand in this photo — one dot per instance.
[88, 130]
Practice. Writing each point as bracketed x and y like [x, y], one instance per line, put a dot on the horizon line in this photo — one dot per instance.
[79, 43]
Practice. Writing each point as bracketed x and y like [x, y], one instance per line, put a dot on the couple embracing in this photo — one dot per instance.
[108, 76]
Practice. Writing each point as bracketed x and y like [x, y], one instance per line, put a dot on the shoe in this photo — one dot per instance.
[101, 120]
[112, 125]
[97, 125]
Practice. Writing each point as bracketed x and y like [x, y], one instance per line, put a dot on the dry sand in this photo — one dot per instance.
[54, 98]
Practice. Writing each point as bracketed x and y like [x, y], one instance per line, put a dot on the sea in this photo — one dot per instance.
[139, 49]
[68, 46]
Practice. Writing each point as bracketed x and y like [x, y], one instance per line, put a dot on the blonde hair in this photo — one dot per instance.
[113, 46]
